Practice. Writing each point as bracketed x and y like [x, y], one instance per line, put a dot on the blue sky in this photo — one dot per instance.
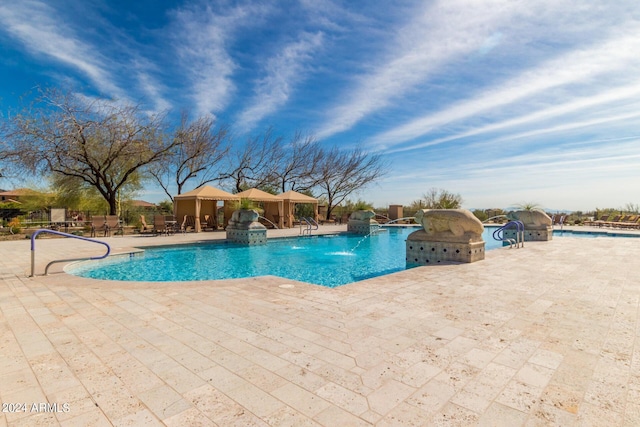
[504, 102]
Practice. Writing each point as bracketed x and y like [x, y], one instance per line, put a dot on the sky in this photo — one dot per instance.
[504, 102]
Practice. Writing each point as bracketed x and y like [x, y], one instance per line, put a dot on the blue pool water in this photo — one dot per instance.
[592, 234]
[325, 260]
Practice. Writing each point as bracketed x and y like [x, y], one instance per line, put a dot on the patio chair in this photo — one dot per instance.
[159, 224]
[98, 222]
[210, 222]
[112, 222]
[58, 218]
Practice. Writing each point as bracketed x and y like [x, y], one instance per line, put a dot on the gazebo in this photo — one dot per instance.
[203, 200]
[273, 205]
[291, 198]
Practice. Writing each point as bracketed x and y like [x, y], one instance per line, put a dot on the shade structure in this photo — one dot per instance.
[273, 205]
[202, 201]
[291, 198]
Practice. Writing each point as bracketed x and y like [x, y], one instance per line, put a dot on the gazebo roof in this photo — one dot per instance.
[207, 192]
[258, 195]
[294, 196]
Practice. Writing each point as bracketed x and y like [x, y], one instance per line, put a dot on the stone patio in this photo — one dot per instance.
[546, 335]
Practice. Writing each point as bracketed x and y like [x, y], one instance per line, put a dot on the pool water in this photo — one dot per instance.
[324, 260]
[592, 234]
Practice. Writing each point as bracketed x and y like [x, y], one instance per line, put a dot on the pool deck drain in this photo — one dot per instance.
[544, 335]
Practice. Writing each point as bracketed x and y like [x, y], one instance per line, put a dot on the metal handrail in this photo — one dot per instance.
[310, 222]
[498, 234]
[60, 233]
[560, 222]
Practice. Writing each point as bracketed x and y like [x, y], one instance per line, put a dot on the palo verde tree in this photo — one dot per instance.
[96, 143]
[441, 199]
[199, 148]
[343, 172]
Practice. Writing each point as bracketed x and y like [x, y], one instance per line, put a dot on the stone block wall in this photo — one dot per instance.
[247, 237]
[362, 228]
[531, 235]
[422, 252]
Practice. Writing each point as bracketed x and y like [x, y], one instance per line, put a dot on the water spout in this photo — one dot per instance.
[400, 219]
[361, 240]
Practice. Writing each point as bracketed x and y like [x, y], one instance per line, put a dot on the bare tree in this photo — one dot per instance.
[97, 143]
[299, 162]
[198, 151]
[256, 163]
[343, 172]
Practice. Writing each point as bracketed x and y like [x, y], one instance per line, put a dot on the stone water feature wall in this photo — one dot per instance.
[447, 235]
[244, 228]
[537, 226]
[362, 222]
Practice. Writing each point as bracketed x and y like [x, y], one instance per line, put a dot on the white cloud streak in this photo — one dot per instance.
[571, 69]
[201, 43]
[558, 112]
[441, 32]
[283, 72]
[37, 26]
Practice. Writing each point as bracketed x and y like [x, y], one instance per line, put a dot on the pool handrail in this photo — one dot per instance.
[60, 233]
[498, 234]
[310, 223]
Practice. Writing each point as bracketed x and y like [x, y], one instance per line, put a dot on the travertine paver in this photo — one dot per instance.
[539, 336]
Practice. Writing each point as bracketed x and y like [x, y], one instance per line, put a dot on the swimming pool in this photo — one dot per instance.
[329, 260]
[592, 234]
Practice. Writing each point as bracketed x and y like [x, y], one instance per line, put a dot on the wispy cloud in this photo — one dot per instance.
[441, 32]
[202, 39]
[557, 112]
[36, 25]
[282, 73]
[570, 69]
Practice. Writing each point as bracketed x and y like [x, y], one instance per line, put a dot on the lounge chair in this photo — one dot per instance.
[98, 222]
[112, 222]
[627, 222]
[210, 222]
[598, 222]
[612, 222]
